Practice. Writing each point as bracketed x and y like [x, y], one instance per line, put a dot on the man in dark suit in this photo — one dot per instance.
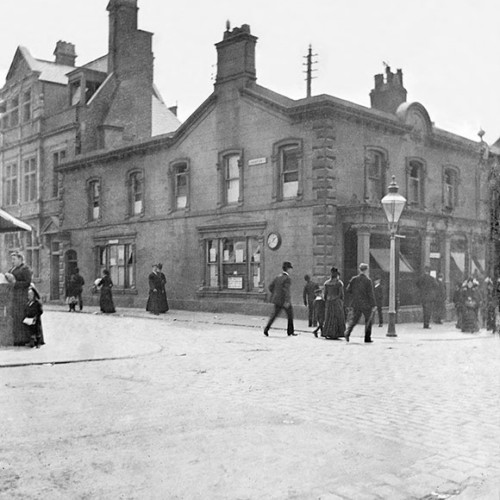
[280, 297]
[427, 286]
[309, 295]
[360, 290]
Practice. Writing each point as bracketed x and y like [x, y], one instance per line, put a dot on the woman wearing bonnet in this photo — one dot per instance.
[20, 276]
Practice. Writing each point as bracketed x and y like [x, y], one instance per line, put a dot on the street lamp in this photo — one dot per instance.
[393, 204]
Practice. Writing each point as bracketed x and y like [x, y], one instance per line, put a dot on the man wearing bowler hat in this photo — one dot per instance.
[280, 297]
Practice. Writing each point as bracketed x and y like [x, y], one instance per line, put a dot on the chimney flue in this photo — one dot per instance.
[65, 53]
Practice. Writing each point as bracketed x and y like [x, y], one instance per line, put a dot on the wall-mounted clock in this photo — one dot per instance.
[273, 241]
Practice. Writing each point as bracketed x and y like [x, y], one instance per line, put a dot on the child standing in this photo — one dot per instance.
[32, 320]
[319, 310]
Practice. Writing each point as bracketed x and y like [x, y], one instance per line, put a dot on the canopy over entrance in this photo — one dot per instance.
[9, 223]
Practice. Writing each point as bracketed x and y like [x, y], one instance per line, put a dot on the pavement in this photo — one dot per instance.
[90, 345]
[192, 405]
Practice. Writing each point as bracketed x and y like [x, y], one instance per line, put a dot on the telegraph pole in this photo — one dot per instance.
[309, 62]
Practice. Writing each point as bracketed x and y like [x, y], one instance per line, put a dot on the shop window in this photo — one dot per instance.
[94, 199]
[11, 184]
[119, 259]
[415, 183]
[450, 188]
[179, 185]
[287, 159]
[29, 179]
[375, 165]
[233, 264]
[136, 193]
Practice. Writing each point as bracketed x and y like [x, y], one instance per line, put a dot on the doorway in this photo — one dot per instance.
[71, 263]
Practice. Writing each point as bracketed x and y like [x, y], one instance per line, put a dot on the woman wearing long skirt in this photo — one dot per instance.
[20, 276]
[334, 326]
[471, 303]
[106, 299]
[155, 286]
[32, 318]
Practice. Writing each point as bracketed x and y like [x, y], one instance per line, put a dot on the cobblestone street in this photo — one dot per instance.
[199, 406]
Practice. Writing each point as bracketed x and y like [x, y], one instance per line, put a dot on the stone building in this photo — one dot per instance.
[254, 178]
[54, 111]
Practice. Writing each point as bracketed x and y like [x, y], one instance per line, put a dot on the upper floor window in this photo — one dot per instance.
[75, 89]
[287, 159]
[415, 182]
[94, 193]
[32, 251]
[57, 157]
[230, 178]
[136, 193]
[29, 174]
[450, 188]
[14, 112]
[27, 105]
[181, 185]
[11, 184]
[375, 162]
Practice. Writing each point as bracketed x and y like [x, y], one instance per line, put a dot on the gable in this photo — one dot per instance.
[22, 64]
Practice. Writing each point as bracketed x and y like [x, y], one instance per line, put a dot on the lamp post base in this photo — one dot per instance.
[391, 328]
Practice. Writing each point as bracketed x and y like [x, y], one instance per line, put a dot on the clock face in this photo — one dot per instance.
[273, 241]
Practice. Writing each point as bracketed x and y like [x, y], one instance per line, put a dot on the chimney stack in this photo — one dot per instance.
[65, 53]
[387, 96]
[236, 56]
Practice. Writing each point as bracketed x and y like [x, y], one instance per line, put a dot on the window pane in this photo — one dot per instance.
[290, 189]
[233, 191]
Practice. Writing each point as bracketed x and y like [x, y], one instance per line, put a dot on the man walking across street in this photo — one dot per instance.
[360, 289]
[280, 297]
[427, 286]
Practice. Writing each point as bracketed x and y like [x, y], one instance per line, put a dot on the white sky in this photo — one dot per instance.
[449, 50]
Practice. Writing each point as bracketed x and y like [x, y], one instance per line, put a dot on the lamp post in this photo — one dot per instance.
[393, 204]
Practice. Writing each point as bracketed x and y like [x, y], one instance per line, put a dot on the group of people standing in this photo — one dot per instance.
[327, 305]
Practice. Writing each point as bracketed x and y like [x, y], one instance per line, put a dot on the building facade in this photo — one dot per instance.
[254, 178]
[54, 111]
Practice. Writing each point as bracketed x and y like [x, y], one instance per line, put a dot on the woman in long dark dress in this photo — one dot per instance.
[106, 299]
[32, 318]
[155, 285]
[471, 304]
[163, 291]
[334, 326]
[20, 276]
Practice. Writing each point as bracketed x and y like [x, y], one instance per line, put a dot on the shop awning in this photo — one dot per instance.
[382, 258]
[459, 259]
[9, 223]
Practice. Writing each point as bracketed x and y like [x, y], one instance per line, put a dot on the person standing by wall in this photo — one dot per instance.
[360, 289]
[308, 296]
[77, 283]
[280, 297]
[427, 286]
[155, 285]
[20, 276]
[440, 300]
[106, 300]
[163, 291]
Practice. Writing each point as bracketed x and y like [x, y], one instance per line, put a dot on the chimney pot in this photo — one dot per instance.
[65, 53]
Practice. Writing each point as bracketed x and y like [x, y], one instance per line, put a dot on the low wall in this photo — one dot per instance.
[6, 333]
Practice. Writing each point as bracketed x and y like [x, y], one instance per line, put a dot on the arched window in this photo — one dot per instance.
[179, 185]
[230, 175]
[375, 168]
[450, 188]
[415, 170]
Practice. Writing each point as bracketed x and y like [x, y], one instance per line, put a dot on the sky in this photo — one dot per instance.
[449, 50]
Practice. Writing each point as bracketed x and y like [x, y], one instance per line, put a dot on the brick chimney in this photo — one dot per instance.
[236, 56]
[65, 53]
[389, 94]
